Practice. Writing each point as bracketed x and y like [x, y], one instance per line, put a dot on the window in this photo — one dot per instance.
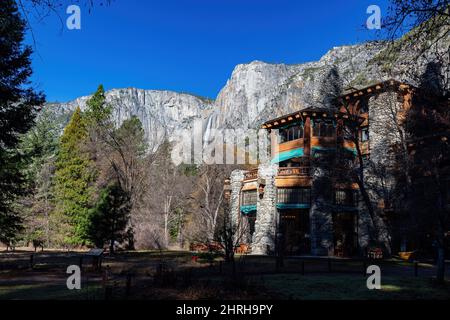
[249, 198]
[323, 128]
[291, 133]
[346, 198]
[364, 106]
[293, 195]
[364, 134]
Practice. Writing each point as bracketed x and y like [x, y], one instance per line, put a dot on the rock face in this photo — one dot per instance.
[255, 93]
[162, 113]
[260, 91]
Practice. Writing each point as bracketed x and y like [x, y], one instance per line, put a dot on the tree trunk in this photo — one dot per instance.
[111, 246]
[440, 264]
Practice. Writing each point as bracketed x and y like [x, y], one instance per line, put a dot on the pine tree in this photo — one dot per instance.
[39, 146]
[74, 180]
[18, 103]
[98, 112]
[110, 217]
[330, 88]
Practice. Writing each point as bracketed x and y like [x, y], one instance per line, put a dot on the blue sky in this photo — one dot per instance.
[187, 46]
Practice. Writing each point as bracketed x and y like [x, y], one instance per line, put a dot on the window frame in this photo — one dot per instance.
[366, 135]
[299, 196]
[324, 128]
[292, 133]
[249, 197]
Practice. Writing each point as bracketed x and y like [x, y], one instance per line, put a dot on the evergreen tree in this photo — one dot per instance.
[110, 217]
[39, 146]
[18, 103]
[74, 179]
[98, 112]
[428, 126]
[330, 88]
[131, 134]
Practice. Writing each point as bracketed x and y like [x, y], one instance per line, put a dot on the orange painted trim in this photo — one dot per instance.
[249, 186]
[290, 145]
[285, 182]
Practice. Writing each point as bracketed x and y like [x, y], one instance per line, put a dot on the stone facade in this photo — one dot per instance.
[236, 180]
[266, 220]
[321, 218]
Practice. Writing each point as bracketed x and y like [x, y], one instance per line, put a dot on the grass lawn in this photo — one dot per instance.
[185, 278]
[49, 292]
[352, 287]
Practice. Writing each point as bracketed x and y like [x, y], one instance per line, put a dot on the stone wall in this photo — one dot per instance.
[266, 217]
[320, 215]
[384, 131]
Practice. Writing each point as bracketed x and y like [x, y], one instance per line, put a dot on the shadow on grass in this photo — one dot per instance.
[50, 292]
[353, 287]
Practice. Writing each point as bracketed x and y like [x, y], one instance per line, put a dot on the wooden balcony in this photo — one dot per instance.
[294, 171]
[251, 175]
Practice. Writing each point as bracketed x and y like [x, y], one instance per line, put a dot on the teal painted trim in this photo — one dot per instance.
[293, 205]
[283, 156]
[248, 209]
[352, 150]
[323, 149]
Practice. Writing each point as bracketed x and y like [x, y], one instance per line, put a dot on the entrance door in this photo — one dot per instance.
[294, 230]
[345, 236]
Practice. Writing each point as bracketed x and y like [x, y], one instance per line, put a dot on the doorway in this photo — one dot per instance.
[345, 234]
[295, 231]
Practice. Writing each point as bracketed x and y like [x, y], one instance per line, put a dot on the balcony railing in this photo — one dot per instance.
[295, 171]
[251, 175]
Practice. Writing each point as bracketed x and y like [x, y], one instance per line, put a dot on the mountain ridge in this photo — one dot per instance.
[254, 93]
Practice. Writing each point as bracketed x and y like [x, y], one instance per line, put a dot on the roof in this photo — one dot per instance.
[377, 87]
[312, 112]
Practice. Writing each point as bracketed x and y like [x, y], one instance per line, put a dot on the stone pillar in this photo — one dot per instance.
[266, 216]
[320, 215]
[364, 225]
[236, 178]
